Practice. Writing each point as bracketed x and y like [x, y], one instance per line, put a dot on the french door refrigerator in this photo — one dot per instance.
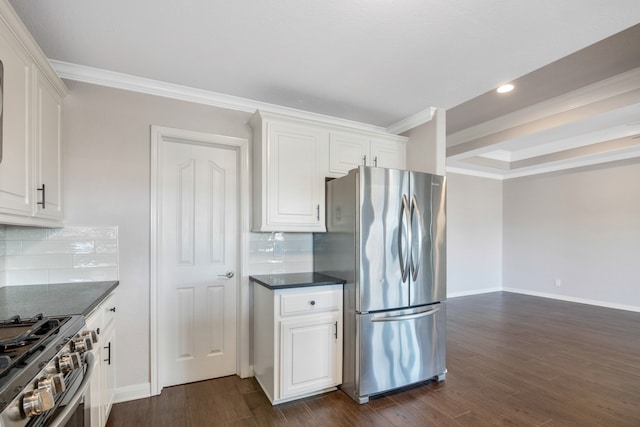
[386, 238]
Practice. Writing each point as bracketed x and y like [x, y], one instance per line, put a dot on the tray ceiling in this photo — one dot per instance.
[371, 62]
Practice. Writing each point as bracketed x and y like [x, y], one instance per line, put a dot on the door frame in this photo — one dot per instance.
[160, 134]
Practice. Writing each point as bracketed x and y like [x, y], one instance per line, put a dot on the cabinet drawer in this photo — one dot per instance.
[309, 302]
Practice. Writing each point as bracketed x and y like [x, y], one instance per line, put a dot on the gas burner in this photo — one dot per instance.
[19, 338]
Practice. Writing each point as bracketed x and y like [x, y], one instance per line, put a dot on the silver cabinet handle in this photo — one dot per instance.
[375, 161]
[228, 275]
[318, 212]
[364, 160]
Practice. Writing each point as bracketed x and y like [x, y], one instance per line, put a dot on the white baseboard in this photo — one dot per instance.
[473, 292]
[634, 308]
[132, 392]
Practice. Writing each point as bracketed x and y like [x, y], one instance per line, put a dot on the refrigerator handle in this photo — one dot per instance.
[415, 266]
[406, 316]
[403, 230]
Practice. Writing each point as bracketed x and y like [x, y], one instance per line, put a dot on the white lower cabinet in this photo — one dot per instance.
[102, 388]
[297, 334]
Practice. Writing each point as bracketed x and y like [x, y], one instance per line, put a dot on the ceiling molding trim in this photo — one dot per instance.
[131, 83]
[608, 88]
[471, 172]
[412, 121]
[484, 143]
[538, 170]
[24, 37]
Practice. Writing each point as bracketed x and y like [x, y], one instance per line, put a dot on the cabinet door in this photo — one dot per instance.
[15, 113]
[347, 151]
[108, 372]
[295, 188]
[310, 354]
[94, 323]
[48, 150]
[388, 154]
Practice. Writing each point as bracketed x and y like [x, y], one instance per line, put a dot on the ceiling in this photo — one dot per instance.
[380, 62]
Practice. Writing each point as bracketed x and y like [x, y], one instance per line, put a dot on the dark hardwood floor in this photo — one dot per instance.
[512, 359]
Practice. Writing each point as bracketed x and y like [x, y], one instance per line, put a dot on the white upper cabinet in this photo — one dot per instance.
[32, 93]
[16, 166]
[292, 158]
[288, 182]
[48, 150]
[348, 150]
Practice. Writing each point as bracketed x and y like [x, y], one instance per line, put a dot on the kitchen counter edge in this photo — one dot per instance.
[55, 299]
[295, 280]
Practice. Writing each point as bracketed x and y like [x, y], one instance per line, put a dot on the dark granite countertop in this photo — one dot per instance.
[295, 280]
[54, 299]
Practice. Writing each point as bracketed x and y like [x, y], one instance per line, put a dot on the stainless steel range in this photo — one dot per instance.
[45, 369]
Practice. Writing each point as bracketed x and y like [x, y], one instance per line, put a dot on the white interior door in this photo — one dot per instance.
[197, 250]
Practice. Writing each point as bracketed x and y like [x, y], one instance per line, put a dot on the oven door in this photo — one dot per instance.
[71, 410]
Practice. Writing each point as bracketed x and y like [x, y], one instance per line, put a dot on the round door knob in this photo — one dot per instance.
[36, 402]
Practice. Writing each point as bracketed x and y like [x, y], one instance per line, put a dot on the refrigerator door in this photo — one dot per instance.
[400, 348]
[383, 242]
[428, 239]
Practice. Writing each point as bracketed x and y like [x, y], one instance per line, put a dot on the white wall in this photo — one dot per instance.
[581, 226]
[106, 160]
[474, 235]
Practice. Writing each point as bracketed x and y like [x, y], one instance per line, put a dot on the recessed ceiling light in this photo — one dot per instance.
[505, 88]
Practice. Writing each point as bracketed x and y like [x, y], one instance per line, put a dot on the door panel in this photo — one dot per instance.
[309, 354]
[383, 240]
[197, 247]
[428, 251]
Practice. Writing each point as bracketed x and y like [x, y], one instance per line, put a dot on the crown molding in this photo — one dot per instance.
[473, 172]
[131, 83]
[412, 121]
[550, 167]
[26, 40]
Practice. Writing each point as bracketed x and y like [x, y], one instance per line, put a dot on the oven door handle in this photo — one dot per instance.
[66, 413]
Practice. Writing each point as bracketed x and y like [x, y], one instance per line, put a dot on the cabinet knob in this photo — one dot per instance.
[312, 302]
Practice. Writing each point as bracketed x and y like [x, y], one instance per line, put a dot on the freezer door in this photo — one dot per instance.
[382, 280]
[400, 348]
[428, 239]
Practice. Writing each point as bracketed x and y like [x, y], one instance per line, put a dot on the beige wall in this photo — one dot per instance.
[106, 162]
[474, 235]
[581, 226]
[426, 148]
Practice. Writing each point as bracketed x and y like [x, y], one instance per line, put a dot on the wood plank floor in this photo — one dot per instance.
[513, 360]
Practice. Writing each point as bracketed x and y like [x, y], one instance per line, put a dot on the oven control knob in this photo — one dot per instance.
[91, 334]
[81, 344]
[68, 362]
[53, 383]
[36, 402]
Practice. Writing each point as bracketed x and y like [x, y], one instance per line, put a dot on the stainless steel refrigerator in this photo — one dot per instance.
[386, 238]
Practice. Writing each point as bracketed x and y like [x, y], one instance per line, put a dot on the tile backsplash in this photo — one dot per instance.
[30, 255]
[274, 253]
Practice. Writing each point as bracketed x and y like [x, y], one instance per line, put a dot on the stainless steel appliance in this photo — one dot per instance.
[386, 238]
[45, 369]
